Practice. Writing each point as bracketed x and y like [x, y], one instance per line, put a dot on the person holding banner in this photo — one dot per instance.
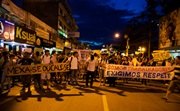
[112, 80]
[102, 64]
[37, 77]
[73, 60]
[175, 81]
[45, 77]
[12, 62]
[26, 79]
[54, 61]
[91, 67]
[3, 66]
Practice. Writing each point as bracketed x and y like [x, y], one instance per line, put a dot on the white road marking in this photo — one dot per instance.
[105, 104]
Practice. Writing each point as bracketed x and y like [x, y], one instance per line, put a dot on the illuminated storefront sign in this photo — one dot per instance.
[40, 42]
[6, 30]
[62, 33]
[42, 34]
[24, 35]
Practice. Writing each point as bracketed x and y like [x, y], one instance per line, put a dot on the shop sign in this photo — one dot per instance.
[25, 35]
[6, 30]
[45, 43]
[48, 43]
[74, 34]
[42, 34]
[62, 33]
[38, 41]
[53, 37]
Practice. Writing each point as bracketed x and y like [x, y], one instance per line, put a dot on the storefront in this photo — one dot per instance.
[44, 44]
[15, 38]
[67, 47]
[24, 38]
[6, 34]
[60, 45]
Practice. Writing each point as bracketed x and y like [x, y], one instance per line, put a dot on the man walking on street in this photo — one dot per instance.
[73, 60]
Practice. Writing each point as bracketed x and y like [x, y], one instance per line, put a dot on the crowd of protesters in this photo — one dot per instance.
[88, 68]
[10, 59]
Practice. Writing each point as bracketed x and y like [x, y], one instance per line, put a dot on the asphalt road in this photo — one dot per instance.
[98, 98]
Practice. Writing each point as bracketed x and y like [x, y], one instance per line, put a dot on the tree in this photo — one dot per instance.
[144, 27]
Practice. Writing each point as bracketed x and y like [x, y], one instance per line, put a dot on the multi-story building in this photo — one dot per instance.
[56, 14]
[51, 20]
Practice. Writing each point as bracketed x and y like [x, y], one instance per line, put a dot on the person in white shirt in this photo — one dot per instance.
[54, 57]
[91, 67]
[46, 59]
[73, 68]
[96, 58]
[53, 61]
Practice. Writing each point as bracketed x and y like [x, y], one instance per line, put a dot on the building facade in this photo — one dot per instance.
[49, 20]
[57, 15]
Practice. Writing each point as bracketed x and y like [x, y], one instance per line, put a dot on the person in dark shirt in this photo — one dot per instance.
[37, 77]
[26, 79]
[111, 80]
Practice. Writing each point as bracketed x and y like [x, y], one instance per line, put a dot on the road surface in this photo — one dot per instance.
[98, 98]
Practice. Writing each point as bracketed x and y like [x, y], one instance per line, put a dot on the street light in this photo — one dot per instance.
[116, 35]
[127, 43]
[142, 49]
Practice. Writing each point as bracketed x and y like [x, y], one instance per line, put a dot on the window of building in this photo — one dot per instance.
[38, 26]
[60, 24]
[60, 11]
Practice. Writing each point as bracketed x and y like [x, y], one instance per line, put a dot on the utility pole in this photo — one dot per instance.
[149, 43]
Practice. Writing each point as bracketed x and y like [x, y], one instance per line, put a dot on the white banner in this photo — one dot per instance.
[36, 69]
[142, 72]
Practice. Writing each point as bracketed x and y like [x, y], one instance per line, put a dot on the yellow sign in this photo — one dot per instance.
[25, 35]
[161, 55]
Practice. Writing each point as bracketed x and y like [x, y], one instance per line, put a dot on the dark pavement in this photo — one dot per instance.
[127, 97]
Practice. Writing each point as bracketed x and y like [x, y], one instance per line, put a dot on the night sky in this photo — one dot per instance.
[98, 20]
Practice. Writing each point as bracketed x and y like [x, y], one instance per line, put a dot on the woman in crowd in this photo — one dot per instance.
[112, 80]
[45, 77]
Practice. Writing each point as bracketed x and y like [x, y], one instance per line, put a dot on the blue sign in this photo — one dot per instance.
[6, 30]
